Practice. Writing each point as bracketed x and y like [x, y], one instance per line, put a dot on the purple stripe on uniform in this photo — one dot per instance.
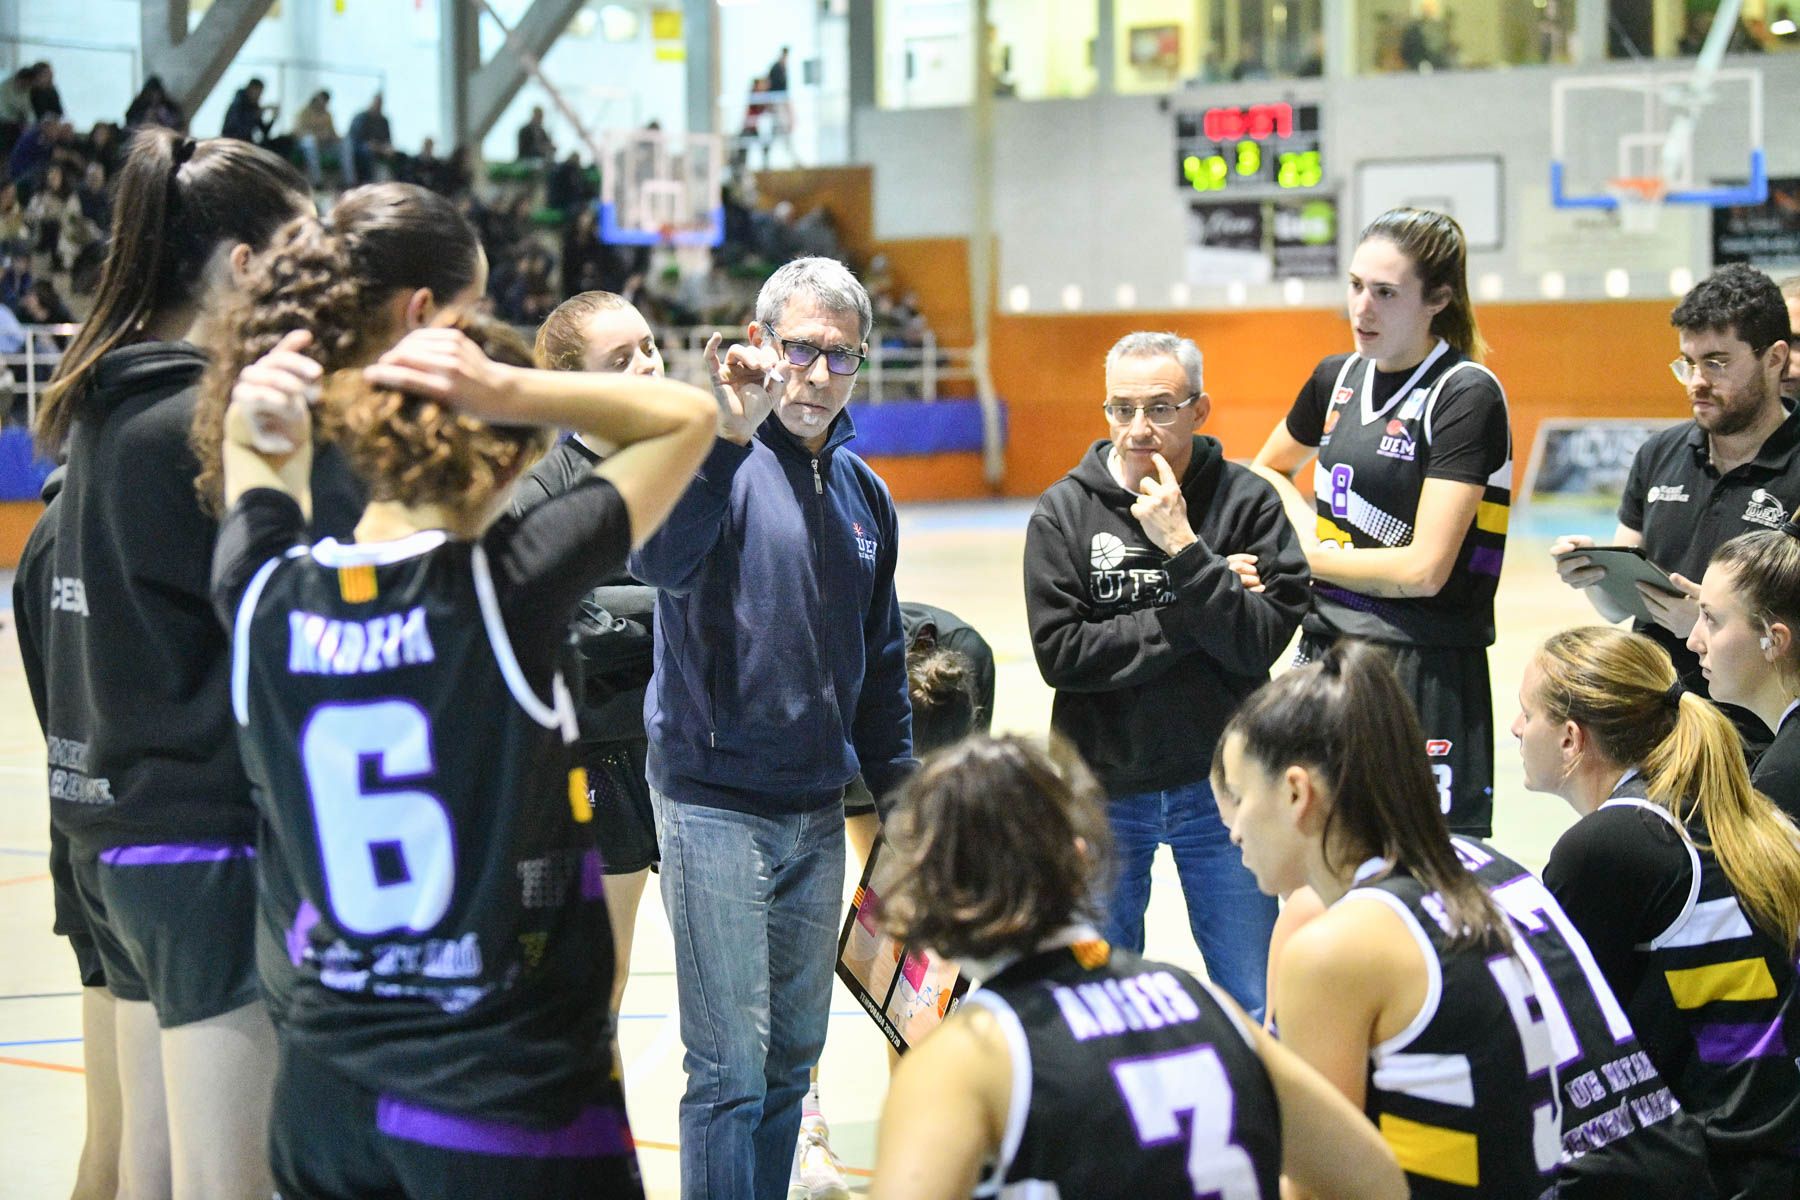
[593, 876]
[299, 936]
[1722, 1044]
[1485, 560]
[596, 1133]
[158, 856]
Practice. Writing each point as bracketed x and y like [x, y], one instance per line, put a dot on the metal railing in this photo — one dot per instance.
[39, 356]
[892, 372]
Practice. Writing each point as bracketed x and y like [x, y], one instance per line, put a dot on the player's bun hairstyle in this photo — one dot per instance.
[332, 276]
[1740, 298]
[1000, 843]
[1765, 566]
[1440, 257]
[941, 683]
[562, 338]
[416, 451]
[1620, 688]
[1346, 720]
[176, 201]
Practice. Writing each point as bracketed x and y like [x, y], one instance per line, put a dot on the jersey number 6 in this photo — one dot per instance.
[385, 846]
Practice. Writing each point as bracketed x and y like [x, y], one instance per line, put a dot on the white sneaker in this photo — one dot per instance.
[818, 1175]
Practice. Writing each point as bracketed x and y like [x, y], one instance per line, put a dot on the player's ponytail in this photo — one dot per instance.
[1622, 690]
[1440, 256]
[333, 276]
[1000, 844]
[1347, 720]
[176, 201]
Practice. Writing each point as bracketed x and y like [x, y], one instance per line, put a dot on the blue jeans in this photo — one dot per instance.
[754, 903]
[1231, 919]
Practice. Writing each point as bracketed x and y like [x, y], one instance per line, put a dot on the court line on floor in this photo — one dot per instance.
[23, 852]
[44, 1042]
[41, 996]
[41, 1066]
[23, 879]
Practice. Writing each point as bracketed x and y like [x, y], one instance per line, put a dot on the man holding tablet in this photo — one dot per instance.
[1735, 467]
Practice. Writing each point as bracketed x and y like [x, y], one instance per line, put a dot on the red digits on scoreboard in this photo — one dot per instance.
[1259, 122]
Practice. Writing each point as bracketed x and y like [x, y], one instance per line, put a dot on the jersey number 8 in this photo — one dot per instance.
[1160, 1089]
[385, 846]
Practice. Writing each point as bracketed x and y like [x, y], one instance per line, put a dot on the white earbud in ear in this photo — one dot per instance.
[1764, 643]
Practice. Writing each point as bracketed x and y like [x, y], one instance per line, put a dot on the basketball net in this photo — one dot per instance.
[1640, 200]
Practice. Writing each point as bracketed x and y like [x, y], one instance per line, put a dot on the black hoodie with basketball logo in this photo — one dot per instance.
[1151, 653]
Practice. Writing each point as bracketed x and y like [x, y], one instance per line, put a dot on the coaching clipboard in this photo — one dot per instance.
[1625, 568]
[906, 990]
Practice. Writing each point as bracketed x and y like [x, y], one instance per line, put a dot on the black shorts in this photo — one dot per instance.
[624, 823]
[173, 925]
[1455, 702]
[331, 1139]
[71, 920]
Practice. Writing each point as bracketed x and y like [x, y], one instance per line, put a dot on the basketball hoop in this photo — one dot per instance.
[1640, 201]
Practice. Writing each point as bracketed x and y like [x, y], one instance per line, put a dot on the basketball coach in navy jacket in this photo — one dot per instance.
[780, 673]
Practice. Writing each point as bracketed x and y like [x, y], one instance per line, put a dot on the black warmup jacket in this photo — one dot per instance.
[1150, 654]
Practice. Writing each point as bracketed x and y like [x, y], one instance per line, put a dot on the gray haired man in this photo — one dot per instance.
[1161, 581]
[780, 672]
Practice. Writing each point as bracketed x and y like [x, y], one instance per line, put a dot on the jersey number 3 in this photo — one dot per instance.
[1159, 1090]
[385, 844]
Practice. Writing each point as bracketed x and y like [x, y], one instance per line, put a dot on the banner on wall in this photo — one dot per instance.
[1765, 235]
[1259, 241]
[1586, 458]
[906, 990]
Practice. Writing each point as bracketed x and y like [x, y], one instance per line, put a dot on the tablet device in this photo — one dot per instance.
[1625, 568]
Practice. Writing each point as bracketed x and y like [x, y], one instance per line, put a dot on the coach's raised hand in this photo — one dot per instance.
[1161, 510]
[743, 383]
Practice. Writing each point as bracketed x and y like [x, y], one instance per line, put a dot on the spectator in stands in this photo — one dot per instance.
[14, 228]
[535, 143]
[16, 278]
[154, 106]
[757, 124]
[567, 188]
[62, 229]
[781, 109]
[106, 147]
[371, 142]
[424, 168]
[96, 205]
[247, 119]
[46, 101]
[317, 135]
[582, 251]
[15, 106]
[36, 148]
[42, 306]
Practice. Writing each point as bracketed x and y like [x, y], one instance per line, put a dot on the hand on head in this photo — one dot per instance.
[445, 365]
[271, 402]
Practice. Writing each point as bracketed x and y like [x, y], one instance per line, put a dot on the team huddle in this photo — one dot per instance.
[370, 706]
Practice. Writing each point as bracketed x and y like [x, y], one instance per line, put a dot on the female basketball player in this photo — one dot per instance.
[1746, 638]
[600, 331]
[1411, 487]
[1077, 1069]
[145, 780]
[1442, 990]
[438, 962]
[385, 261]
[1684, 880]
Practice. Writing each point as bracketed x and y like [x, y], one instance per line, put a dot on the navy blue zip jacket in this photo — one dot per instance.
[780, 662]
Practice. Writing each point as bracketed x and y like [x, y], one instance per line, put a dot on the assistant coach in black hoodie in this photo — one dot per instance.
[1161, 582]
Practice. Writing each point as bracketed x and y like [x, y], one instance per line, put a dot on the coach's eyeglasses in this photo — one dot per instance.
[1713, 367]
[1161, 413]
[803, 355]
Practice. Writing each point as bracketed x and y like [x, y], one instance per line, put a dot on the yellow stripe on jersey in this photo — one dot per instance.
[356, 584]
[1491, 517]
[1331, 533]
[579, 804]
[1433, 1151]
[1743, 979]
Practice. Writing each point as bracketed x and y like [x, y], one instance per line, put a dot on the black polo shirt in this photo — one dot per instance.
[1685, 510]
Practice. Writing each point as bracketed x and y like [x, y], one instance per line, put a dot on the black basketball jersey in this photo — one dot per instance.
[1622, 1128]
[432, 919]
[1447, 420]
[1130, 1080]
[1719, 1007]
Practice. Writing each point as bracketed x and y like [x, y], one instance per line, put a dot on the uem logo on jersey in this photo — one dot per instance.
[1398, 442]
[1765, 509]
[865, 545]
